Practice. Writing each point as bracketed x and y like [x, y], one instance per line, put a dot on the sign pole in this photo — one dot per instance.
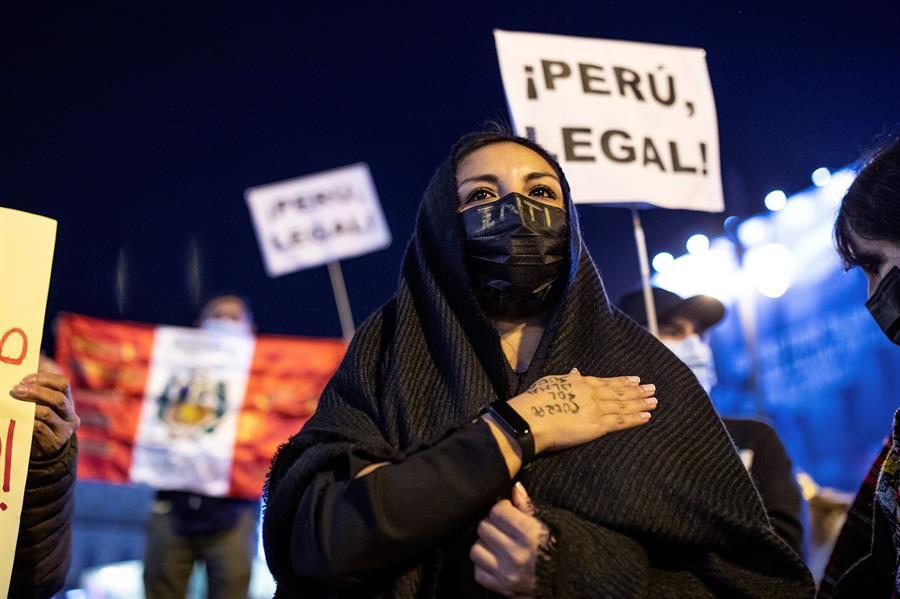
[641, 241]
[341, 299]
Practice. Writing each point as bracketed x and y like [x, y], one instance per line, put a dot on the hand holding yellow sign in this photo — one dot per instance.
[26, 257]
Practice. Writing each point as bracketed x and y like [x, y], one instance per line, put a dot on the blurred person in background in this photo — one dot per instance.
[684, 326]
[43, 549]
[867, 235]
[186, 527]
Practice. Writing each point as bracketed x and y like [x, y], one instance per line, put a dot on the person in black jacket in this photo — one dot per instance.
[499, 360]
[683, 327]
[867, 234]
[43, 549]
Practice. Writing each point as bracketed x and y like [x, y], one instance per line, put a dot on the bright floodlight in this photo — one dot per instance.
[821, 177]
[663, 261]
[770, 268]
[697, 244]
[754, 231]
[776, 200]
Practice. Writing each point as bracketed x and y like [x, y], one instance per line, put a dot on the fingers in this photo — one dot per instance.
[50, 418]
[513, 522]
[616, 381]
[489, 581]
[622, 392]
[46, 441]
[628, 406]
[483, 557]
[57, 382]
[40, 394]
[618, 422]
[521, 500]
[493, 539]
[508, 544]
[51, 432]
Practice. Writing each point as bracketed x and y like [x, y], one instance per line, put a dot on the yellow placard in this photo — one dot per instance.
[26, 258]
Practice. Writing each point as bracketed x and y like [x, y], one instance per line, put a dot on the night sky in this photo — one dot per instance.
[139, 128]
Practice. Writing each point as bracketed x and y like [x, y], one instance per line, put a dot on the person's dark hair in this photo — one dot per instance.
[871, 207]
[497, 132]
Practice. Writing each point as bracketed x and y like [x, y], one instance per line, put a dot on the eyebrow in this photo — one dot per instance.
[534, 176]
[495, 180]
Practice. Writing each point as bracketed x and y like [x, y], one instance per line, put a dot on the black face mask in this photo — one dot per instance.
[884, 305]
[515, 250]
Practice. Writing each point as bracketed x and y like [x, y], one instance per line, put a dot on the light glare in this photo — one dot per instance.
[821, 177]
[776, 200]
[770, 268]
[697, 244]
[663, 261]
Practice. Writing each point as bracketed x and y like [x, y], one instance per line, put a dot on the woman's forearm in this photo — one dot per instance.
[350, 531]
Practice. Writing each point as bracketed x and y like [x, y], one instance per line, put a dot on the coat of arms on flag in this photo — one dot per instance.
[188, 409]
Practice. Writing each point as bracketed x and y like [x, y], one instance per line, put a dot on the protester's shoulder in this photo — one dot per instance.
[758, 427]
[378, 321]
[754, 433]
[367, 349]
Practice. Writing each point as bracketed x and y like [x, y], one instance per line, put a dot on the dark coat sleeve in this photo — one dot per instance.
[873, 576]
[773, 474]
[586, 556]
[351, 531]
[43, 550]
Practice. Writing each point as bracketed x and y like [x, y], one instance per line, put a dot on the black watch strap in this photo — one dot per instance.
[507, 417]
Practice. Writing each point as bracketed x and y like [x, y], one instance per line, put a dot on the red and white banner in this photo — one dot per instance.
[188, 409]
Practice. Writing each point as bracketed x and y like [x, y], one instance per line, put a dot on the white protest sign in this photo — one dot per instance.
[318, 219]
[26, 257]
[630, 123]
[194, 392]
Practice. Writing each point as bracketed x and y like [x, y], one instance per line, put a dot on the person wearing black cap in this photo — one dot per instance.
[683, 324]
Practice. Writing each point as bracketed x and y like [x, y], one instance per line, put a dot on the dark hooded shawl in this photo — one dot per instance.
[665, 509]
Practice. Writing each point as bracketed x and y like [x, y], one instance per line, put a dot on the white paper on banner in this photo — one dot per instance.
[316, 219]
[195, 390]
[26, 257]
[630, 123]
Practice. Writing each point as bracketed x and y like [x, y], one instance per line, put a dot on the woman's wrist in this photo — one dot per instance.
[507, 444]
[538, 434]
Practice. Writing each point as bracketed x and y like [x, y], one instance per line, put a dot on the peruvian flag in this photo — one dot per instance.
[188, 409]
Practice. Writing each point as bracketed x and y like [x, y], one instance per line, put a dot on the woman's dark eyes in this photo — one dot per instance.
[479, 195]
[542, 191]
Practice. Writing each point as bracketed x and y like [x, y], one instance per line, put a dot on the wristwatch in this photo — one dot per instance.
[510, 421]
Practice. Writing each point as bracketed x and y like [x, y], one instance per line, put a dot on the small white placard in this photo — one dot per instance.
[316, 219]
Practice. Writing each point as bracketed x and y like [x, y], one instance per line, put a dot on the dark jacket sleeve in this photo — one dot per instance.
[856, 540]
[349, 531]
[773, 474]
[586, 556]
[873, 575]
[43, 550]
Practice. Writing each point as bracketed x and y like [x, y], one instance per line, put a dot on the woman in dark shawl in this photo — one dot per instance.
[499, 302]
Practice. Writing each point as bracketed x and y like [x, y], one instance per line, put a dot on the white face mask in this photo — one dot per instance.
[226, 325]
[698, 356]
